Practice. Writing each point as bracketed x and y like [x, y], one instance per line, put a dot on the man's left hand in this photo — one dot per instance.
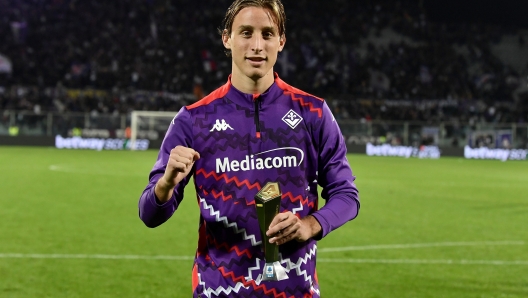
[286, 227]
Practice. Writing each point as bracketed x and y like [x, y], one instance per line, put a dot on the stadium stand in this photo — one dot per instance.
[373, 59]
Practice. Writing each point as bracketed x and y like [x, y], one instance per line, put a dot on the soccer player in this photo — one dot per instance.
[254, 129]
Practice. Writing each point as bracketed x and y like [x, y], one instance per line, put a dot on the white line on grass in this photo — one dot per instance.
[417, 261]
[96, 256]
[73, 170]
[418, 245]
[322, 260]
[323, 250]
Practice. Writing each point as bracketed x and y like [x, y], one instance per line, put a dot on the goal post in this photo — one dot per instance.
[148, 121]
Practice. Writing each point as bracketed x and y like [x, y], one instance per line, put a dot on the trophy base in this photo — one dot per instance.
[274, 271]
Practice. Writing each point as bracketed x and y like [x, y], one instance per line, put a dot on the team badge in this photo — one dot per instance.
[292, 119]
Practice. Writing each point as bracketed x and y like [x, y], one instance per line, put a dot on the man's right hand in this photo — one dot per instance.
[179, 165]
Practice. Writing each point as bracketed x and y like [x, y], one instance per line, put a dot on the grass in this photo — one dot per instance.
[472, 213]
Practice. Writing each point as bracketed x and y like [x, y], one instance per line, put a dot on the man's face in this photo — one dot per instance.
[254, 43]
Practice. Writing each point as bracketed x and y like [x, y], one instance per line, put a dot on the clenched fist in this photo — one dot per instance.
[179, 165]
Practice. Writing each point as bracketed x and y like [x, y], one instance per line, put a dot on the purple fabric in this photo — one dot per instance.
[300, 146]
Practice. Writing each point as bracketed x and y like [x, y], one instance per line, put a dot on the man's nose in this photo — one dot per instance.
[257, 43]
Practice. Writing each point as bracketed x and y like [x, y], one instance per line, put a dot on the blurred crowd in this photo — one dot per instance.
[170, 48]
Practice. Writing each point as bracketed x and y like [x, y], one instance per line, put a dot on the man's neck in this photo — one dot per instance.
[250, 86]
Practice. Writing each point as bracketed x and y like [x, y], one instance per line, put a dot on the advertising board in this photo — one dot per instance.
[403, 151]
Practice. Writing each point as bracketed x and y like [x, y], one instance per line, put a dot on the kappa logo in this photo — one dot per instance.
[292, 119]
[221, 126]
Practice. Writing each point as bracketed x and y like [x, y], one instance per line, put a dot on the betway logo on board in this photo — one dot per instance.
[259, 161]
[98, 144]
[403, 151]
[500, 154]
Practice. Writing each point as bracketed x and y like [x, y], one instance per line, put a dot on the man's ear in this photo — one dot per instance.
[226, 40]
[282, 42]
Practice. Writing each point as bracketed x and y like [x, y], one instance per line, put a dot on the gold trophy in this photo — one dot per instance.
[267, 202]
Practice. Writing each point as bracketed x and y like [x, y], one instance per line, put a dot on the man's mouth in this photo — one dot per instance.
[256, 59]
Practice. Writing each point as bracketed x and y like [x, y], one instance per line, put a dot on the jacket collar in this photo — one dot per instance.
[247, 100]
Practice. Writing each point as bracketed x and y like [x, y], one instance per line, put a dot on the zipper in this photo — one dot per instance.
[257, 120]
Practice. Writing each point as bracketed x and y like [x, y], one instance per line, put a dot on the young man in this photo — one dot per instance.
[253, 130]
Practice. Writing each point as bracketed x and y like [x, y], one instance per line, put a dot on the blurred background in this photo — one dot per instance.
[409, 72]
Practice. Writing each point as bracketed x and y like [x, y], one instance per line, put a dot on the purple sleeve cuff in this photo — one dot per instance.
[151, 212]
[335, 213]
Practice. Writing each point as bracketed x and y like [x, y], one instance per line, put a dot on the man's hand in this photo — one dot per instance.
[286, 226]
[179, 165]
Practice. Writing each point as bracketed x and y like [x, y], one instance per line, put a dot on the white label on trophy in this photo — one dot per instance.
[269, 271]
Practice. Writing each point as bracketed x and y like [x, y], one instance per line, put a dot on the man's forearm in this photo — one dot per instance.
[313, 226]
[163, 191]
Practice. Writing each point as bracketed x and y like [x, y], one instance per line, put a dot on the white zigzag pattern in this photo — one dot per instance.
[233, 225]
[250, 274]
[290, 265]
[200, 282]
[294, 210]
[220, 289]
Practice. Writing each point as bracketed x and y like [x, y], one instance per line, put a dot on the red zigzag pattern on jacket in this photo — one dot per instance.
[297, 198]
[228, 180]
[224, 198]
[251, 283]
[216, 195]
[221, 194]
[230, 249]
[304, 104]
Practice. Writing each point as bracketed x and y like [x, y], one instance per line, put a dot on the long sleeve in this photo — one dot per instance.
[151, 212]
[334, 176]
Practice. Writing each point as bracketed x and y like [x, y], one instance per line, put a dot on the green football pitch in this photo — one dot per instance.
[69, 227]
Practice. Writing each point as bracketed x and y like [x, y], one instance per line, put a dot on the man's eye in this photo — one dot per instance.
[245, 33]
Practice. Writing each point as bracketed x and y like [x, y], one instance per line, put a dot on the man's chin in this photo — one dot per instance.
[256, 75]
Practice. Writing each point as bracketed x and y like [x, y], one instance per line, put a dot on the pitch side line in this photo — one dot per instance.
[73, 170]
[320, 250]
[418, 245]
[96, 256]
[323, 260]
[417, 261]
